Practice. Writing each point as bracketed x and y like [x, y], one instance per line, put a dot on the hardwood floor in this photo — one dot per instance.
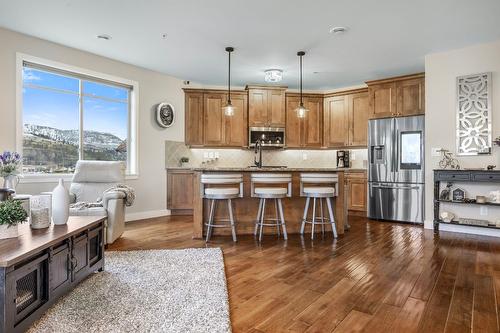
[378, 277]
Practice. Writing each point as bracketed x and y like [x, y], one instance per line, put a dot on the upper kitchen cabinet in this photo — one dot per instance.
[193, 118]
[304, 132]
[346, 119]
[266, 106]
[208, 126]
[396, 97]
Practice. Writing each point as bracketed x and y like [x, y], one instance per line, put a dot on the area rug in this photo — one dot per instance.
[147, 291]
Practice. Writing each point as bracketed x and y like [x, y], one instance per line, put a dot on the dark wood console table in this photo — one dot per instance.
[462, 176]
[39, 266]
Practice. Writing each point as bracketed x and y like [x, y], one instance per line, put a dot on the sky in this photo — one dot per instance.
[61, 109]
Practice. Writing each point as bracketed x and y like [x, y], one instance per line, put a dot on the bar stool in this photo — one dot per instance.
[277, 193]
[322, 186]
[221, 189]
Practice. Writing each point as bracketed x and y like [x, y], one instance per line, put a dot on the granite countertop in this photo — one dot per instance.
[268, 169]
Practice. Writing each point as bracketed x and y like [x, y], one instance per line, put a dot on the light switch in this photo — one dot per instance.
[217, 154]
[205, 154]
[353, 156]
[211, 154]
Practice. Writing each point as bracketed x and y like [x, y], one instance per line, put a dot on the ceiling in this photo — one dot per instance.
[385, 37]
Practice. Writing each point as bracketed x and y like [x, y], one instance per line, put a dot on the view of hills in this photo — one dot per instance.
[48, 149]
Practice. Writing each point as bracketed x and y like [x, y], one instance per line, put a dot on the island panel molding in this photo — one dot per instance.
[474, 114]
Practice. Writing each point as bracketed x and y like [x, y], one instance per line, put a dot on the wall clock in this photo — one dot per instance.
[165, 114]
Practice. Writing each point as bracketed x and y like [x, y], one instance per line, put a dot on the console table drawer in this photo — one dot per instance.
[449, 176]
[486, 177]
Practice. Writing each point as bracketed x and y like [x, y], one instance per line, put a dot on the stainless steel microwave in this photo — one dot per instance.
[269, 136]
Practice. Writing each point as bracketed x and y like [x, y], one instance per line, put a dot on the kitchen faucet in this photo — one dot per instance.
[258, 148]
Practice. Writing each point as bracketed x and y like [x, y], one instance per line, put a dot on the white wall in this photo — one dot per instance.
[153, 88]
[441, 70]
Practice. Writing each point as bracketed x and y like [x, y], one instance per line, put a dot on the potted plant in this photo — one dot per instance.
[183, 161]
[9, 169]
[11, 214]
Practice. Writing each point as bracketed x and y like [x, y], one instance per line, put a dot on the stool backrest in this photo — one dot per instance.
[318, 179]
[272, 178]
[221, 179]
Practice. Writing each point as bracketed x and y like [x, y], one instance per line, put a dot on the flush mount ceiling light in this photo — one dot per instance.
[273, 75]
[338, 30]
[104, 37]
[229, 108]
[301, 110]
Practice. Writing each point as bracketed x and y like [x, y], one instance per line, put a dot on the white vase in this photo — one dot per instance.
[60, 204]
[7, 231]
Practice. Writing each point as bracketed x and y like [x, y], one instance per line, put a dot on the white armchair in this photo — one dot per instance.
[90, 180]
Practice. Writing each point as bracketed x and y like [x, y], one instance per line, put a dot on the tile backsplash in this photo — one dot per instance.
[245, 157]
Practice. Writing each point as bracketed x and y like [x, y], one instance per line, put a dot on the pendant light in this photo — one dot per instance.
[301, 110]
[229, 108]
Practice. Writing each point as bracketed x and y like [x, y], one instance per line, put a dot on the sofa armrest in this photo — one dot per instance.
[113, 195]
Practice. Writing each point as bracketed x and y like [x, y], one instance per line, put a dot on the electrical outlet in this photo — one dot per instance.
[304, 157]
[435, 152]
[353, 156]
[483, 211]
[217, 154]
[211, 154]
[205, 154]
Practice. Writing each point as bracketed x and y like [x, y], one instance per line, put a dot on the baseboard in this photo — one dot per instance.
[146, 215]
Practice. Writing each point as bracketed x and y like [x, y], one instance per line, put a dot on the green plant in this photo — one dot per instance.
[12, 212]
[184, 159]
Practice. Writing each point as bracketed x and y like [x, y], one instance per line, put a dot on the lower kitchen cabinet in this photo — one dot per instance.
[356, 192]
[180, 191]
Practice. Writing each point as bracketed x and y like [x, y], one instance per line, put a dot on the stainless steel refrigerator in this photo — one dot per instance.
[396, 169]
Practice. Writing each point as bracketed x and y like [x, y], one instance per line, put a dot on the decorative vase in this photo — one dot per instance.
[60, 204]
[8, 231]
[10, 182]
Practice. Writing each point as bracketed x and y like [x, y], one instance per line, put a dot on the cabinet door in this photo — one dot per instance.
[236, 128]
[180, 190]
[60, 268]
[257, 107]
[276, 108]
[382, 100]
[95, 246]
[358, 119]
[194, 119]
[215, 121]
[356, 194]
[293, 124]
[79, 256]
[313, 122]
[411, 97]
[336, 121]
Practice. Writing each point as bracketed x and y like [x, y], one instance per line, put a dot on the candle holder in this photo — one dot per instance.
[41, 211]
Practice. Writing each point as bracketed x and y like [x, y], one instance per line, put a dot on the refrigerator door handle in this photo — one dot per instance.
[396, 187]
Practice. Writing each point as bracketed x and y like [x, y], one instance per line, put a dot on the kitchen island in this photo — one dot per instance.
[245, 209]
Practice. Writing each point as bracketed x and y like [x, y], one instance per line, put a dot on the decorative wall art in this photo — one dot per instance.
[474, 114]
[165, 115]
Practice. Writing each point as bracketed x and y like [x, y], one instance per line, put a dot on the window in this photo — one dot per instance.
[67, 116]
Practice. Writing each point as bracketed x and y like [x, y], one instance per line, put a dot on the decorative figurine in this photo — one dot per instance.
[491, 167]
[458, 194]
[447, 160]
[445, 194]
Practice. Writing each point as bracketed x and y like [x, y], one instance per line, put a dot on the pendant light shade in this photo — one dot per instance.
[301, 110]
[229, 108]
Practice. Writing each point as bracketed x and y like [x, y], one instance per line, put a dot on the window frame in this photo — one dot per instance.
[132, 171]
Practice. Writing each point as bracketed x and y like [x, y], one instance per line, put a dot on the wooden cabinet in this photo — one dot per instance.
[304, 132]
[356, 193]
[336, 121]
[180, 191]
[266, 106]
[395, 97]
[346, 119]
[193, 118]
[206, 125]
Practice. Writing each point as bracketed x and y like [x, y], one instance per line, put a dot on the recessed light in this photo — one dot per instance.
[338, 30]
[104, 36]
[164, 35]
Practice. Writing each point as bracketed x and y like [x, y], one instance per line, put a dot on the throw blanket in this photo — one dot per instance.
[129, 197]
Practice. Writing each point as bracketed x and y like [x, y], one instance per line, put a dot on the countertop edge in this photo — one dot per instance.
[246, 169]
